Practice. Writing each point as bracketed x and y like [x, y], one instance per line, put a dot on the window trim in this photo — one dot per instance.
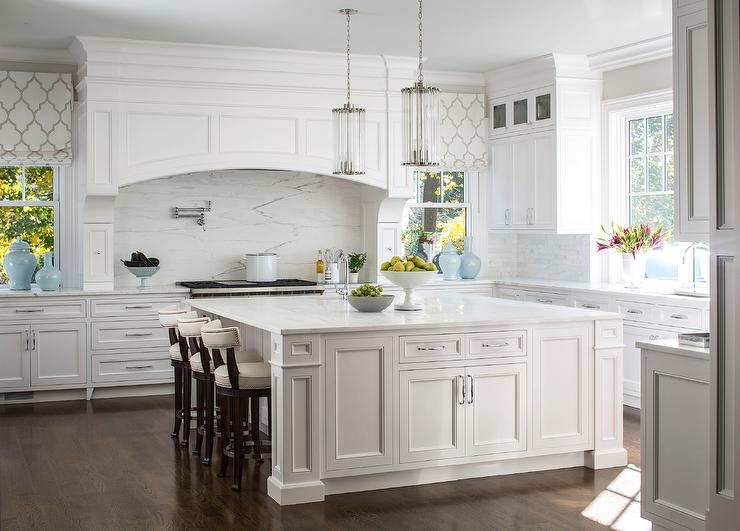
[616, 114]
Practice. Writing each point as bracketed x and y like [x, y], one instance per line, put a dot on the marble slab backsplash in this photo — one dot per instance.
[544, 256]
[289, 213]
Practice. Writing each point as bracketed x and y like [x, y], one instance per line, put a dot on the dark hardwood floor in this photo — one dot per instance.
[110, 464]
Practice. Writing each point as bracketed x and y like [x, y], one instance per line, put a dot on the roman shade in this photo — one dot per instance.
[463, 130]
[35, 118]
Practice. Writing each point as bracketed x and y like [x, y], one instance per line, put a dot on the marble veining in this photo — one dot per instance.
[292, 214]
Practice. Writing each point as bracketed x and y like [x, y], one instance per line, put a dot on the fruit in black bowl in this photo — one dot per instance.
[139, 259]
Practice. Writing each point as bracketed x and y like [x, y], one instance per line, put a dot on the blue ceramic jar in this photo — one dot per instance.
[449, 262]
[49, 278]
[20, 263]
[469, 262]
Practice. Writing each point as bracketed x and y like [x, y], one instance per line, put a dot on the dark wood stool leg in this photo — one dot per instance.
[199, 415]
[178, 402]
[208, 389]
[187, 402]
[254, 402]
[238, 418]
[225, 429]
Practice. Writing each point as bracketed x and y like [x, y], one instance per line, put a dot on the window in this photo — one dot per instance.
[651, 171]
[441, 210]
[28, 208]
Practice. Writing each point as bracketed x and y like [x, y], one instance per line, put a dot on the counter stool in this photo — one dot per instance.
[168, 317]
[188, 329]
[239, 386]
[203, 364]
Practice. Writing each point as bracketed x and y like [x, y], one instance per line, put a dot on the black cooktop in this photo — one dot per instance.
[225, 284]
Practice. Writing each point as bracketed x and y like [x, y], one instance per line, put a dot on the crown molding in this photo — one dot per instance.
[632, 54]
[36, 55]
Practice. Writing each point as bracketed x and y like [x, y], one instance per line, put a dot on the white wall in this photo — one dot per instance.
[638, 79]
[293, 214]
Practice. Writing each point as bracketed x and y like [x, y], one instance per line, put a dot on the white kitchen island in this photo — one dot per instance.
[471, 386]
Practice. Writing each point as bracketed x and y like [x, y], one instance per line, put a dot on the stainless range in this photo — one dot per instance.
[243, 288]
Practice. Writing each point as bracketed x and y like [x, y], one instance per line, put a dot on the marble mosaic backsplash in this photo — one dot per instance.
[292, 214]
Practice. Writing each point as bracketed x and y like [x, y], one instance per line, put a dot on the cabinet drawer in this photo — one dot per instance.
[130, 367]
[636, 311]
[129, 334]
[677, 316]
[558, 299]
[591, 304]
[498, 344]
[43, 309]
[130, 307]
[509, 293]
[431, 348]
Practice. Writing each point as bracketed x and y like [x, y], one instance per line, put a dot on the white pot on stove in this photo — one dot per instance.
[261, 267]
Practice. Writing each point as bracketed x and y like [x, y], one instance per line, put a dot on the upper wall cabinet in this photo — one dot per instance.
[544, 149]
[691, 109]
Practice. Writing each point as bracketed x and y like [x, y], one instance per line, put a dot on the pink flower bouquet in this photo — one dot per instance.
[632, 240]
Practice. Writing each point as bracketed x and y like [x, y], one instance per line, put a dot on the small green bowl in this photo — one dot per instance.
[370, 304]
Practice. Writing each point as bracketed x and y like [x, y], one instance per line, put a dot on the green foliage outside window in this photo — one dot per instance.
[34, 224]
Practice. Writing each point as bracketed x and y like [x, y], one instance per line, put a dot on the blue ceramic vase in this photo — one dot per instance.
[49, 278]
[469, 262]
[449, 263]
[20, 263]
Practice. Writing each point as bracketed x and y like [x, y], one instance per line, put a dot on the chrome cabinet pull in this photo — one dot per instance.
[507, 217]
[29, 310]
[139, 366]
[138, 334]
[636, 312]
[545, 301]
[495, 345]
[33, 339]
[654, 337]
[441, 347]
[470, 398]
[138, 307]
[590, 306]
[28, 340]
[679, 316]
[460, 386]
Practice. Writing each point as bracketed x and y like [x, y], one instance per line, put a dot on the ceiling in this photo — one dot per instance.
[463, 35]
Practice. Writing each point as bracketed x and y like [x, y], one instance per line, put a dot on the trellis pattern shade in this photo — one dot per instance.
[35, 118]
[463, 129]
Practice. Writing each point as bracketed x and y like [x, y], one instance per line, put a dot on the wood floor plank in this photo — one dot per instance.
[110, 464]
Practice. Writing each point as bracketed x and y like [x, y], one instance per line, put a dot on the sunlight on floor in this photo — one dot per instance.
[618, 506]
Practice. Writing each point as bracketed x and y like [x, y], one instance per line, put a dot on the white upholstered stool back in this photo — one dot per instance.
[214, 335]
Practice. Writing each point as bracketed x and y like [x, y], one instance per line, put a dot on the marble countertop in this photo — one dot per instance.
[672, 346]
[652, 291]
[6, 293]
[329, 313]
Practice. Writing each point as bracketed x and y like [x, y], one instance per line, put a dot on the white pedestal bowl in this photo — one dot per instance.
[409, 281]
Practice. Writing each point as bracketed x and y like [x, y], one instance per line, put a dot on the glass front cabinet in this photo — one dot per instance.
[522, 111]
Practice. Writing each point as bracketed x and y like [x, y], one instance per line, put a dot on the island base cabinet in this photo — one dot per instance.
[432, 414]
[358, 402]
[561, 388]
[58, 353]
[15, 356]
[495, 412]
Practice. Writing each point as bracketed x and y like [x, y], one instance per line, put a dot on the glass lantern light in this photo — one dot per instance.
[420, 118]
[349, 126]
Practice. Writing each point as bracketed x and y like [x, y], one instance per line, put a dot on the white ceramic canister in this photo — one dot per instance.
[261, 267]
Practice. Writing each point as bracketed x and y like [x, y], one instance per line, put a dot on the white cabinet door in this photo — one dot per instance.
[358, 402]
[633, 334]
[544, 193]
[499, 205]
[561, 384]
[58, 353]
[495, 414]
[521, 181]
[15, 364]
[432, 414]
[691, 78]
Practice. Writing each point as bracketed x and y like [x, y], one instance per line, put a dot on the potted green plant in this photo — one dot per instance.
[355, 262]
[633, 243]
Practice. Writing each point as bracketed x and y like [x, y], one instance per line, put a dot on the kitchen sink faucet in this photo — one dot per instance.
[344, 264]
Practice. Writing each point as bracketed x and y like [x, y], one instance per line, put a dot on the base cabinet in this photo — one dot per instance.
[562, 393]
[495, 414]
[58, 353]
[15, 356]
